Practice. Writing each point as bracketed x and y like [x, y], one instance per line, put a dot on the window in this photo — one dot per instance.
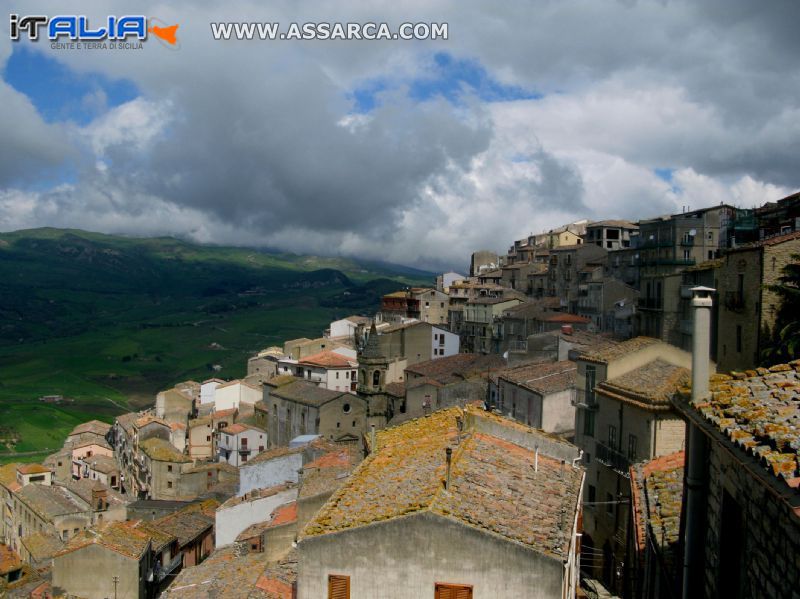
[632, 442]
[337, 374]
[376, 378]
[244, 457]
[588, 423]
[208, 438]
[354, 423]
[244, 442]
[169, 484]
[739, 338]
[591, 379]
[338, 587]
[346, 408]
[612, 436]
[169, 467]
[592, 497]
[609, 504]
[452, 591]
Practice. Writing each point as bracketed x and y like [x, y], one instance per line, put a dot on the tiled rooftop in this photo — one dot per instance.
[657, 488]
[305, 392]
[327, 473]
[32, 469]
[83, 488]
[122, 537]
[9, 560]
[544, 377]
[51, 501]
[564, 317]
[255, 494]
[759, 411]
[456, 367]
[239, 427]
[8, 473]
[651, 385]
[493, 485]
[328, 359]
[398, 389]
[149, 419]
[93, 426]
[42, 545]
[225, 575]
[163, 451]
[187, 524]
[616, 351]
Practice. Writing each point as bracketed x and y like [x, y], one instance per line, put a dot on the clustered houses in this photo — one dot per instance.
[517, 414]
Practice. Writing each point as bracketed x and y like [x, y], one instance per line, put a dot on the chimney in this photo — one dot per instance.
[701, 340]
[372, 440]
[449, 453]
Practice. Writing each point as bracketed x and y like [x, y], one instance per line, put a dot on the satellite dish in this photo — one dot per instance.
[692, 232]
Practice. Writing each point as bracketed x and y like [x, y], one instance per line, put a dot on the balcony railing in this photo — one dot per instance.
[734, 301]
[586, 400]
[161, 572]
[612, 458]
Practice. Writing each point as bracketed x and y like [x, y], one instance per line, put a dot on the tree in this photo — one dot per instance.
[784, 344]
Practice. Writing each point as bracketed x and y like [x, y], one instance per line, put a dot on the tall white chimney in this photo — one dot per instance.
[701, 341]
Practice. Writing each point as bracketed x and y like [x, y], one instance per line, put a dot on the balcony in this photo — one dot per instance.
[734, 301]
[612, 458]
[585, 400]
[650, 303]
[161, 572]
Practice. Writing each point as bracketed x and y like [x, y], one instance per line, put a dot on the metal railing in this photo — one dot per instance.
[612, 458]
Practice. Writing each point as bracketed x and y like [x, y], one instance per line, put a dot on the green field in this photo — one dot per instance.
[108, 321]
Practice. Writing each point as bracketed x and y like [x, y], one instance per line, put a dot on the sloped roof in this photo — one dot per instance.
[306, 393]
[650, 385]
[93, 426]
[493, 486]
[328, 359]
[49, 502]
[544, 377]
[455, 367]
[614, 351]
[163, 451]
[42, 545]
[32, 469]
[121, 537]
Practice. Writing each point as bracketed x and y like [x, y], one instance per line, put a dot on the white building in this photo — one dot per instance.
[232, 394]
[208, 389]
[330, 369]
[240, 512]
[348, 328]
[239, 442]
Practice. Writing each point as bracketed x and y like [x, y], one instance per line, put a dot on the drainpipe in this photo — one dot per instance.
[696, 470]
[449, 457]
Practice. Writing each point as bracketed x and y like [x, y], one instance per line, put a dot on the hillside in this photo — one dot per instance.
[106, 321]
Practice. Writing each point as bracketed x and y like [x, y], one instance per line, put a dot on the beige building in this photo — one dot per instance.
[623, 416]
[201, 439]
[747, 307]
[611, 234]
[466, 485]
[481, 327]
[303, 347]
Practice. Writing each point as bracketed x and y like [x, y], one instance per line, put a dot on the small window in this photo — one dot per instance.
[592, 498]
[169, 467]
[354, 423]
[632, 442]
[338, 587]
[346, 408]
[612, 436]
[609, 504]
[169, 484]
[452, 591]
[208, 438]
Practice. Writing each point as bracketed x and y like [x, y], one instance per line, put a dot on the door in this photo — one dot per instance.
[452, 591]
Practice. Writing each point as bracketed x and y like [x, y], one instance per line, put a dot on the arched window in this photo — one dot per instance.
[376, 378]
[362, 377]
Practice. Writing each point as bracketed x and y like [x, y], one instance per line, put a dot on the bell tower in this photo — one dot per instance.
[373, 368]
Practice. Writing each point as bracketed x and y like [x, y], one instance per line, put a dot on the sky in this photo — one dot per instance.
[530, 115]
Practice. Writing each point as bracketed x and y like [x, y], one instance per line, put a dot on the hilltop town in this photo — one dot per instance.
[523, 429]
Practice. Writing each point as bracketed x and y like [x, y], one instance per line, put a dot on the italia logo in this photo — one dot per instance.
[77, 28]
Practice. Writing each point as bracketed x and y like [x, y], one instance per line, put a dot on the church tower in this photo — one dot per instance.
[373, 368]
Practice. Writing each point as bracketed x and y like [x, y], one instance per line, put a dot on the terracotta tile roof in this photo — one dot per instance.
[614, 351]
[271, 454]
[8, 473]
[281, 380]
[177, 426]
[42, 545]
[9, 560]
[86, 443]
[163, 451]
[103, 463]
[239, 382]
[93, 426]
[306, 393]
[613, 223]
[217, 414]
[328, 359]
[457, 367]
[186, 525]
[48, 502]
[328, 472]
[149, 419]
[546, 377]
[256, 494]
[493, 486]
[398, 389]
[32, 469]
[226, 575]
[121, 537]
[284, 514]
[758, 411]
[651, 385]
[564, 317]
[240, 427]
[657, 493]
[125, 421]
[83, 488]
[769, 241]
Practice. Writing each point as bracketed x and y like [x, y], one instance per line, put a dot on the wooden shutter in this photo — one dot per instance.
[338, 587]
[453, 591]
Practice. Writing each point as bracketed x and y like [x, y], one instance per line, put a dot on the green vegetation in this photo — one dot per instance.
[107, 321]
[784, 340]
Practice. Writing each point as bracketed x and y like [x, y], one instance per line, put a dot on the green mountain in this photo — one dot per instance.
[106, 321]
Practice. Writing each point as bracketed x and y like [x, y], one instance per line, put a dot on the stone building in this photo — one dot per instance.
[481, 327]
[654, 539]
[741, 530]
[611, 234]
[420, 303]
[331, 369]
[461, 492]
[623, 416]
[240, 442]
[747, 306]
[566, 262]
[540, 395]
[298, 407]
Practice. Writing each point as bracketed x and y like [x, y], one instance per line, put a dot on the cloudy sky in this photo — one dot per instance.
[529, 116]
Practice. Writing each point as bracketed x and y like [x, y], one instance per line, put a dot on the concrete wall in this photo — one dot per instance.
[88, 573]
[207, 391]
[262, 475]
[230, 396]
[230, 521]
[278, 541]
[405, 557]
[343, 416]
[558, 413]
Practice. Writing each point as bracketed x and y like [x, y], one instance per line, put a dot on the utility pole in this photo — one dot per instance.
[116, 581]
